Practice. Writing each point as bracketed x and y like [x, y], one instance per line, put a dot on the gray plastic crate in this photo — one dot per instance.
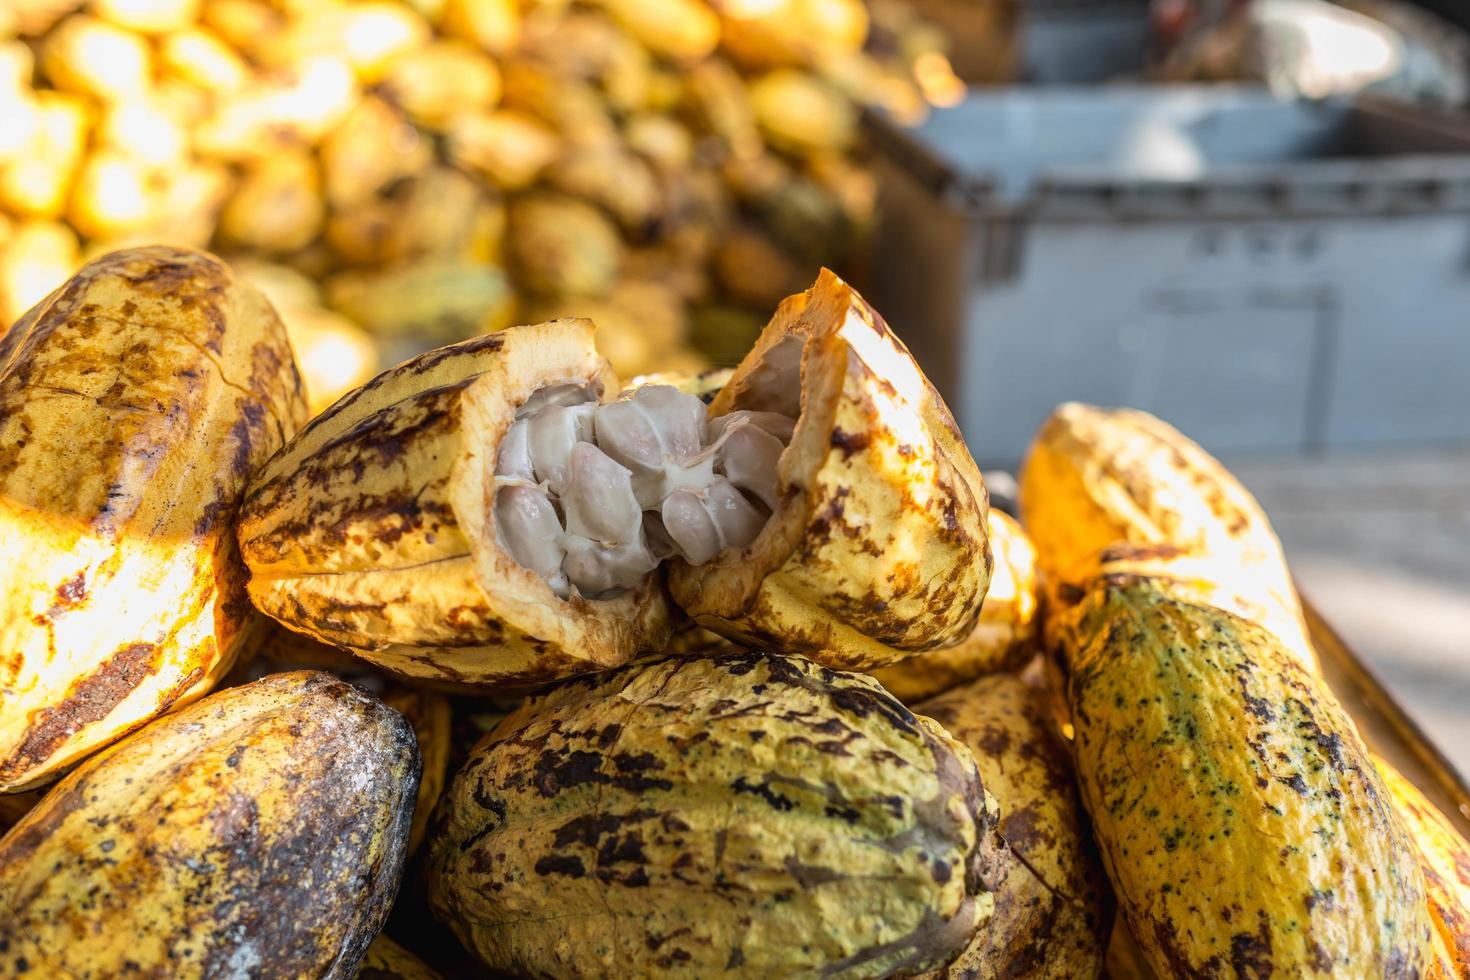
[1270, 276]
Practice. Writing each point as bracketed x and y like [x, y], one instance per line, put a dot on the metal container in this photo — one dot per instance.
[1268, 275]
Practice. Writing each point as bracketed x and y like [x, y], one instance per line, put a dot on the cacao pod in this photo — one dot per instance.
[1005, 636]
[436, 299]
[386, 960]
[878, 547]
[198, 56]
[39, 257]
[507, 148]
[371, 530]
[749, 815]
[1444, 857]
[91, 57]
[802, 113]
[36, 183]
[433, 83]
[1096, 478]
[135, 403]
[1240, 818]
[259, 832]
[561, 246]
[1053, 912]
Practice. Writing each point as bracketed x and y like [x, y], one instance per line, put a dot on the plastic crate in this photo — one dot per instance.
[1270, 276]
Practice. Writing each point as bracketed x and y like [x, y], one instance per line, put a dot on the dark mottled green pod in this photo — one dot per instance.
[743, 815]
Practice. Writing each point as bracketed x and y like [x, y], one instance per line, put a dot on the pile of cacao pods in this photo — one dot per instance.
[406, 173]
[341, 696]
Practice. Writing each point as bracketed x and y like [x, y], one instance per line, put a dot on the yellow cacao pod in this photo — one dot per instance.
[39, 256]
[386, 960]
[136, 401]
[1096, 479]
[372, 529]
[1005, 637]
[560, 246]
[509, 149]
[429, 714]
[94, 58]
[35, 184]
[435, 82]
[1444, 857]
[1053, 911]
[1206, 753]
[198, 56]
[878, 547]
[277, 207]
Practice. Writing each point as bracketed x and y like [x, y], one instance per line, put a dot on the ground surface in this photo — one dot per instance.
[1381, 544]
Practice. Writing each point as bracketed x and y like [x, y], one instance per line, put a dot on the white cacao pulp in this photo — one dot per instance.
[592, 497]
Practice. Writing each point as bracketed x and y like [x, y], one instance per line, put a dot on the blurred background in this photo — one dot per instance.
[1251, 217]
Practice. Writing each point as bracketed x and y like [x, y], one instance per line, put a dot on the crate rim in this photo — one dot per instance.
[1370, 186]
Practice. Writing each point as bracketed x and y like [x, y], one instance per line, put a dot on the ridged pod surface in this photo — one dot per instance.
[877, 548]
[135, 403]
[386, 960]
[746, 815]
[1242, 824]
[1006, 634]
[1444, 857]
[371, 529]
[1097, 478]
[1053, 912]
[260, 832]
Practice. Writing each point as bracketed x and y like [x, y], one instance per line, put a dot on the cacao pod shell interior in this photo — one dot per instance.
[878, 547]
[371, 530]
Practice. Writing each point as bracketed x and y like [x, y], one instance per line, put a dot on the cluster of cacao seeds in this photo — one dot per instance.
[406, 173]
[593, 497]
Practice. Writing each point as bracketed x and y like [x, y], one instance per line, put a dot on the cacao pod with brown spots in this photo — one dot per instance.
[1053, 912]
[135, 402]
[877, 548]
[374, 528]
[1005, 636]
[746, 815]
[260, 832]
